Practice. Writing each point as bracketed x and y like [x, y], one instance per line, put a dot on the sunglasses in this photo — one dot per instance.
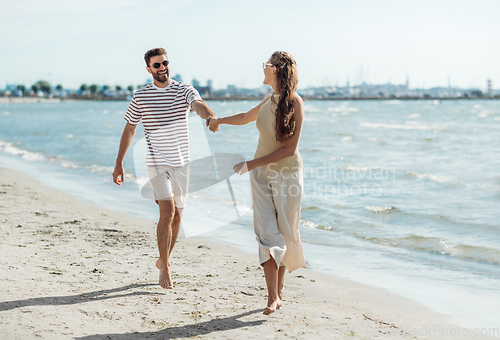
[157, 65]
[264, 65]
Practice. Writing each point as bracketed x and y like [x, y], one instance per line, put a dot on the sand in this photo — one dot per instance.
[70, 270]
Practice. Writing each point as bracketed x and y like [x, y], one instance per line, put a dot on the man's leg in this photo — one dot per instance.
[164, 234]
[176, 227]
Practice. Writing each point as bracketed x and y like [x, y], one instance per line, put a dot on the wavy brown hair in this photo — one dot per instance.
[287, 79]
[153, 53]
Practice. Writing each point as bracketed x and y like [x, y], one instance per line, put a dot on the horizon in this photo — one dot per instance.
[333, 42]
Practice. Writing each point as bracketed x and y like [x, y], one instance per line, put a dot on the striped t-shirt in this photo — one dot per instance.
[164, 113]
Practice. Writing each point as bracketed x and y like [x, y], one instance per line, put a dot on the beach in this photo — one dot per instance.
[71, 270]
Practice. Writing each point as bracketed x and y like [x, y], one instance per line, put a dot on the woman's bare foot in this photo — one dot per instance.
[272, 306]
[165, 279]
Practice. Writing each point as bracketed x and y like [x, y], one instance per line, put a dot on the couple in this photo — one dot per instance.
[275, 172]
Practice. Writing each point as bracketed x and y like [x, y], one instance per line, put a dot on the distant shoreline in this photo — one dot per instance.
[27, 100]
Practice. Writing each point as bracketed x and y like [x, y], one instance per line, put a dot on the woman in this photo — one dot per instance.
[276, 174]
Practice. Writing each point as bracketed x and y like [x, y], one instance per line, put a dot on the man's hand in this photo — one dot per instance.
[118, 174]
[213, 124]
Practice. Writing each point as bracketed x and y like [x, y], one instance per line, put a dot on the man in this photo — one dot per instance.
[163, 107]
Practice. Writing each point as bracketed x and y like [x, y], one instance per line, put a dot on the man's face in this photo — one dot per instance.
[162, 73]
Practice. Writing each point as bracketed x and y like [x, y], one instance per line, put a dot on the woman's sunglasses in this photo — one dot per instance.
[157, 65]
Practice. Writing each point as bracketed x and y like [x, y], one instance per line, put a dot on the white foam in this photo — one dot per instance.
[6, 113]
[496, 118]
[484, 113]
[414, 115]
[433, 178]
[358, 169]
[66, 164]
[70, 136]
[347, 139]
[343, 109]
[307, 223]
[412, 126]
[379, 209]
[25, 154]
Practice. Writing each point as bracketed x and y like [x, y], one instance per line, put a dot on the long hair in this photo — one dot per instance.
[287, 79]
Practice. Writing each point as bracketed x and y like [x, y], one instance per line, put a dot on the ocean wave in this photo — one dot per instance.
[30, 156]
[312, 225]
[443, 247]
[408, 126]
[380, 209]
[358, 169]
[25, 154]
[414, 115]
[310, 208]
[436, 245]
[484, 113]
[343, 109]
[433, 178]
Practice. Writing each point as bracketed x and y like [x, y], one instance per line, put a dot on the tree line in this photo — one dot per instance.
[43, 88]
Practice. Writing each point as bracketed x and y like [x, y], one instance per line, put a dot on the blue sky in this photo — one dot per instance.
[103, 42]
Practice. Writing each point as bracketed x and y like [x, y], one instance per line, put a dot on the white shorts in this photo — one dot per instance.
[170, 182]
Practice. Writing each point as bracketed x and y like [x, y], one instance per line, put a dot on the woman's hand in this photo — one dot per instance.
[241, 168]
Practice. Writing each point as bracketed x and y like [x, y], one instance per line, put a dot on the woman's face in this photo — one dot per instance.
[269, 73]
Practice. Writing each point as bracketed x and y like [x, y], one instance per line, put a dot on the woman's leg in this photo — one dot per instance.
[281, 282]
[271, 274]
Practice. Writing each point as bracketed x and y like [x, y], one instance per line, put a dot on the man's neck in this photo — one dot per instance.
[162, 84]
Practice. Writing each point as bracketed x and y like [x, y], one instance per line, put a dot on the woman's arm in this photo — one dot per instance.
[238, 119]
[287, 150]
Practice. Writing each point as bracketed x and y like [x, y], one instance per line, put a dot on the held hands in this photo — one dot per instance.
[212, 124]
[241, 168]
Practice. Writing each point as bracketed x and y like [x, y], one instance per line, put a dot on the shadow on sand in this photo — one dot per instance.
[187, 331]
[74, 299]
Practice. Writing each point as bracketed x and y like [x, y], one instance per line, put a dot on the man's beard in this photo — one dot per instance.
[157, 77]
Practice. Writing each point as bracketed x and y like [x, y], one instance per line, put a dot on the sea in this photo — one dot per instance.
[402, 195]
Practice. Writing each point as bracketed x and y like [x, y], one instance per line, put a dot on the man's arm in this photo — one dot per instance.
[126, 141]
[203, 111]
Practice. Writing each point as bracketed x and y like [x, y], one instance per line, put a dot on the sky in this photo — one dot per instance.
[432, 43]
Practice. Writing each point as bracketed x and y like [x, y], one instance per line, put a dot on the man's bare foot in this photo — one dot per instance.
[272, 306]
[165, 279]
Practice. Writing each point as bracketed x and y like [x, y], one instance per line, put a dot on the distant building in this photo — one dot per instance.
[178, 77]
